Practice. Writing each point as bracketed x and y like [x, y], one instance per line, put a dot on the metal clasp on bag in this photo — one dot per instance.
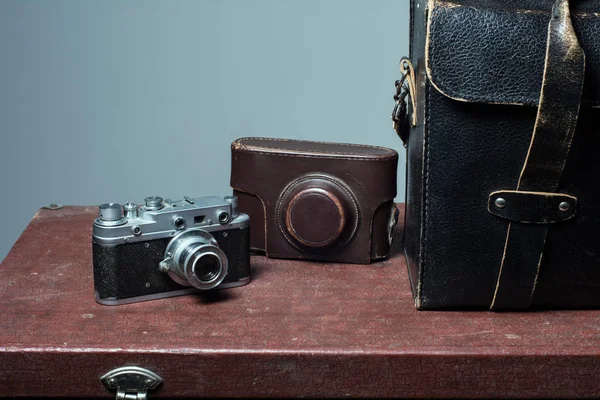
[131, 383]
[405, 87]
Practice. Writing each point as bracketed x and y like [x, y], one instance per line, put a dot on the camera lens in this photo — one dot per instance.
[207, 267]
[197, 260]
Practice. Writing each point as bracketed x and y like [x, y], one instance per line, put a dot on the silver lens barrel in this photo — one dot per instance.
[202, 266]
[195, 259]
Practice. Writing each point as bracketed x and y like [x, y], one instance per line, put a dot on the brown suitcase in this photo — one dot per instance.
[297, 330]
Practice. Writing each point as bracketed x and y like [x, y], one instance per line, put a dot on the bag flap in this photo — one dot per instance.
[493, 51]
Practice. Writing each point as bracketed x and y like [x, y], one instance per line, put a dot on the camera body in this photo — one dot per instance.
[169, 248]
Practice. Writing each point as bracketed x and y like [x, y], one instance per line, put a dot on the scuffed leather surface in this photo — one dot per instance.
[264, 167]
[463, 243]
[415, 150]
[297, 329]
[570, 275]
[579, 6]
[458, 155]
[555, 125]
[493, 51]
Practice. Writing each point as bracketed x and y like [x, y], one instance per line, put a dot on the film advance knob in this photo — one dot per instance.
[233, 200]
[110, 212]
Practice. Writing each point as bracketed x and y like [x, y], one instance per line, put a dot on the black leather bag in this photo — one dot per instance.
[499, 107]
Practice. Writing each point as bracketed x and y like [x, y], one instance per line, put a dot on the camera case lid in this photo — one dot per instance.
[311, 200]
[317, 211]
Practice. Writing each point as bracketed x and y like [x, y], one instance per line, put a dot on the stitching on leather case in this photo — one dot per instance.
[366, 146]
[295, 183]
[304, 150]
[381, 159]
[389, 151]
[421, 280]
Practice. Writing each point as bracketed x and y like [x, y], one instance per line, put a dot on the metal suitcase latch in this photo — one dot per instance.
[131, 383]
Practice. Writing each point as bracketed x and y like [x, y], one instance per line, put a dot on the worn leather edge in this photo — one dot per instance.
[438, 86]
[264, 219]
[510, 296]
[380, 209]
[238, 145]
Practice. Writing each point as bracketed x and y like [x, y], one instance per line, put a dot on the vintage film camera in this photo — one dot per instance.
[169, 248]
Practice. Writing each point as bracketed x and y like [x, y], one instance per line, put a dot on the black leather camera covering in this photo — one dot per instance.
[123, 271]
[479, 71]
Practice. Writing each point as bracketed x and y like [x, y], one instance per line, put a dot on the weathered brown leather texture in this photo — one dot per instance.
[297, 330]
[316, 200]
[482, 70]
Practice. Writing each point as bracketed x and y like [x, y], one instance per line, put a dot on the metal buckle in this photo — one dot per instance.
[131, 383]
[400, 111]
[405, 87]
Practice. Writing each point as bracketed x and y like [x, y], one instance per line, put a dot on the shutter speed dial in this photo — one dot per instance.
[111, 214]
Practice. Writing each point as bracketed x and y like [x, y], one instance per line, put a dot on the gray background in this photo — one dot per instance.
[116, 100]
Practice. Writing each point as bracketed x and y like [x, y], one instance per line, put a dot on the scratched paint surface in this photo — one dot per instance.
[299, 329]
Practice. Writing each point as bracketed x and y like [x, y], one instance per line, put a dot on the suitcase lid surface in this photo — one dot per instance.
[298, 329]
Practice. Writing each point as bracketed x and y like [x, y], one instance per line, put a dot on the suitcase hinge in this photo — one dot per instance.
[131, 383]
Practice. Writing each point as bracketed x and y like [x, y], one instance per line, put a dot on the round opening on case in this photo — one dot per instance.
[317, 213]
[315, 218]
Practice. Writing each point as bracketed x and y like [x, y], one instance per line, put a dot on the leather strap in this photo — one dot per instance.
[555, 126]
[532, 207]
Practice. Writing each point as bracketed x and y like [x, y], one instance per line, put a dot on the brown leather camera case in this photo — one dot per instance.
[316, 200]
